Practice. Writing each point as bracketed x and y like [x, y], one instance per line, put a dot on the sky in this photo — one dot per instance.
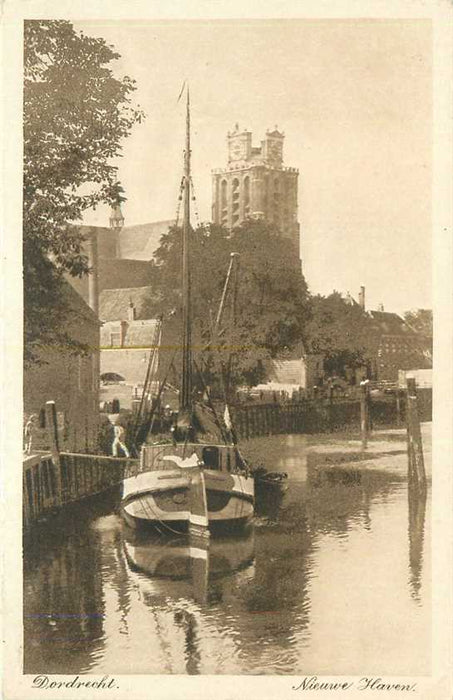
[354, 98]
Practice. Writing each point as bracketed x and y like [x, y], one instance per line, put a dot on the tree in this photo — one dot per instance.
[338, 330]
[420, 320]
[76, 114]
[272, 297]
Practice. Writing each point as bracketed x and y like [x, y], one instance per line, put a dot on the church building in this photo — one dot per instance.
[256, 184]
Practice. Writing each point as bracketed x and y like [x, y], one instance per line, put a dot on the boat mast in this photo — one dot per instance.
[185, 398]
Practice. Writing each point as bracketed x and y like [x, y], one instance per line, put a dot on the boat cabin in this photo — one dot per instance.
[223, 458]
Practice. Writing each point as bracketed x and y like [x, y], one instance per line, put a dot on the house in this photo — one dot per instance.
[72, 381]
[129, 340]
[395, 346]
[289, 374]
[392, 345]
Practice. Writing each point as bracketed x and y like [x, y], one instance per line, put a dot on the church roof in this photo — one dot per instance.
[140, 242]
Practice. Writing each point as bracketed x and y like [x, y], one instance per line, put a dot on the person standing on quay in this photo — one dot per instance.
[28, 433]
[118, 440]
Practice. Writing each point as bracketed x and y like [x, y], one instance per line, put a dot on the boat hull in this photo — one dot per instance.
[163, 499]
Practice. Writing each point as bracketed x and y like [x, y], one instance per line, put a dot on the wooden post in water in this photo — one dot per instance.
[416, 462]
[52, 428]
[364, 412]
[398, 407]
[330, 404]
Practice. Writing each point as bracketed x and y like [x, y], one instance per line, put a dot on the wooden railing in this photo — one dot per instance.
[49, 483]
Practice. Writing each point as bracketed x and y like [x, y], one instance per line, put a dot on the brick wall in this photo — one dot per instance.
[71, 381]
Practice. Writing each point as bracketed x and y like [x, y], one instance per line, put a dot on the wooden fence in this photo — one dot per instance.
[49, 484]
[323, 415]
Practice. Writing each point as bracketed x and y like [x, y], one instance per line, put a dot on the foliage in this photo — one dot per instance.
[339, 330]
[420, 320]
[76, 114]
[271, 306]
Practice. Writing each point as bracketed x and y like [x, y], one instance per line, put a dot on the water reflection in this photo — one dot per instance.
[185, 565]
[64, 608]
[416, 529]
[307, 589]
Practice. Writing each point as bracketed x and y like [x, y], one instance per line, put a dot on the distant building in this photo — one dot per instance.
[119, 256]
[128, 338]
[72, 381]
[392, 344]
[255, 183]
[130, 303]
[395, 346]
[423, 378]
[292, 371]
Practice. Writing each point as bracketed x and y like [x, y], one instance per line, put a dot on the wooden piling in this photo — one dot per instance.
[398, 407]
[52, 428]
[364, 413]
[416, 462]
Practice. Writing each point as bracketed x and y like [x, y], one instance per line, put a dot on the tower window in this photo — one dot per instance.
[223, 194]
[246, 191]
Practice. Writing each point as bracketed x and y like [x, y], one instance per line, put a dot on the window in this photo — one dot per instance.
[246, 191]
[211, 457]
[223, 194]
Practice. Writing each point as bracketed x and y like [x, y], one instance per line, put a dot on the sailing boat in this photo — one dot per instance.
[190, 484]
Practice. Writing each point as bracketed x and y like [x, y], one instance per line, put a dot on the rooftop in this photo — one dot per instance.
[114, 304]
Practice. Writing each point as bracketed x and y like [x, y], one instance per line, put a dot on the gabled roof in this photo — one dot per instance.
[114, 303]
[389, 323]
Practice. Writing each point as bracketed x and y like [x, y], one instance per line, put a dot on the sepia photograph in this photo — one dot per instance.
[228, 446]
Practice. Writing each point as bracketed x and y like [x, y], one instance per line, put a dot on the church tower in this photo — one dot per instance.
[256, 184]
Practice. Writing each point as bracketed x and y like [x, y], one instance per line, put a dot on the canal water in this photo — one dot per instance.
[333, 577]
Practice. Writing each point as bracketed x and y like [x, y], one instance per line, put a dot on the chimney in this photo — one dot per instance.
[362, 297]
[131, 313]
[123, 331]
[380, 307]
